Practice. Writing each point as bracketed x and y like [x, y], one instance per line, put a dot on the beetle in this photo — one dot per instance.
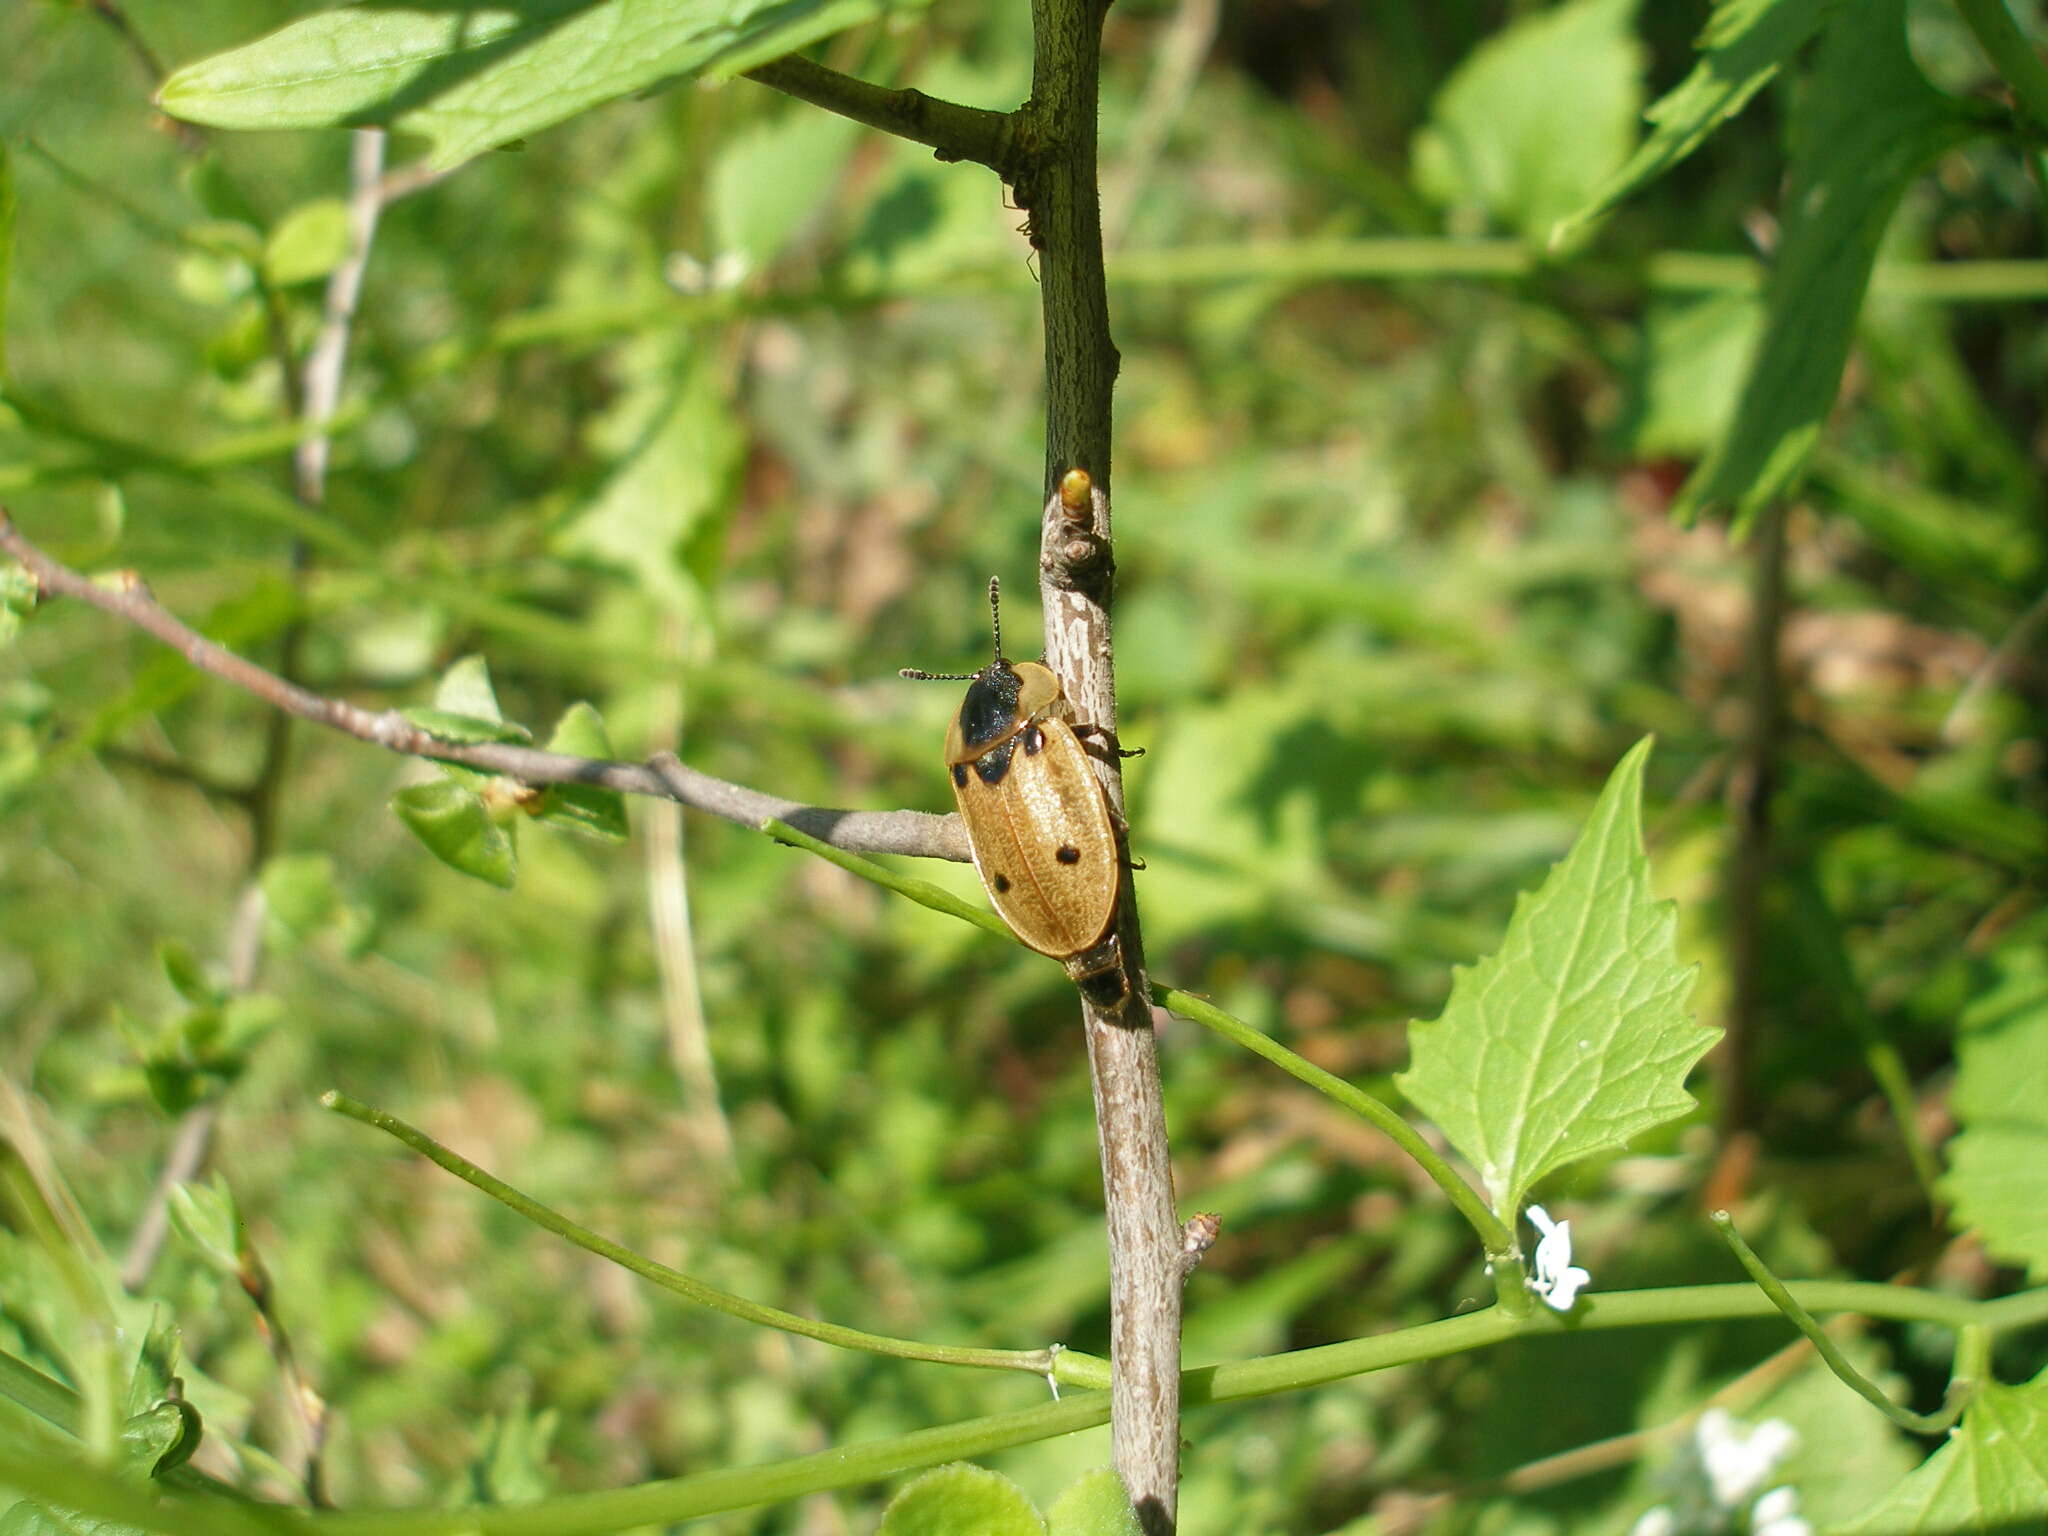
[1038, 823]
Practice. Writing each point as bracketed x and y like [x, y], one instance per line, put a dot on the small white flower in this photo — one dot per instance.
[1737, 1463]
[1555, 1278]
[1657, 1521]
[1777, 1514]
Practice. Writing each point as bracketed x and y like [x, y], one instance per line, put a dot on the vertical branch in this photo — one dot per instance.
[1058, 190]
[1751, 786]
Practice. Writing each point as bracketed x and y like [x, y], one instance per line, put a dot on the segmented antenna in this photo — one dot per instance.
[995, 618]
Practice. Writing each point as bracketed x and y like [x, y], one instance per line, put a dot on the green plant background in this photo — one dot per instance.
[1397, 588]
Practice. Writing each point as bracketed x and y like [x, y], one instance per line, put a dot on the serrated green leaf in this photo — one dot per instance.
[308, 243]
[1094, 1504]
[961, 1500]
[1998, 1161]
[1536, 118]
[1573, 1036]
[1743, 46]
[1990, 1478]
[1868, 124]
[469, 78]
[584, 808]
[300, 890]
[452, 821]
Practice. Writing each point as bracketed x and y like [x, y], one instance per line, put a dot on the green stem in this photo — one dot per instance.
[1085, 1369]
[2012, 56]
[1494, 1234]
[923, 892]
[1962, 1383]
[52, 1473]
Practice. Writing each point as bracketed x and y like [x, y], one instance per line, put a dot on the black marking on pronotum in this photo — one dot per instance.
[960, 774]
[1068, 854]
[991, 766]
[990, 707]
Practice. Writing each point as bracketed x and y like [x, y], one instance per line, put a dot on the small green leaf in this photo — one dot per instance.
[206, 1216]
[452, 821]
[1867, 125]
[450, 726]
[17, 595]
[161, 1437]
[1536, 118]
[1989, 1478]
[1573, 1036]
[300, 891]
[961, 1500]
[1094, 1504]
[186, 976]
[308, 243]
[472, 77]
[465, 689]
[511, 1462]
[1743, 46]
[1998, 1162]
[585, 808]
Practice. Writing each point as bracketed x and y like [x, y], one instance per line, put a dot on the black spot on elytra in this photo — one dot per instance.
[1033, 740]
[960, 774]
[1001, 883]
[1068, 854]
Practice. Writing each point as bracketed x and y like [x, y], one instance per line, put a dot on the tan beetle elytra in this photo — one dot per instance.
[1037, 820]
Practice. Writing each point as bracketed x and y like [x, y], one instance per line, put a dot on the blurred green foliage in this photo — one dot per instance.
[710, 412]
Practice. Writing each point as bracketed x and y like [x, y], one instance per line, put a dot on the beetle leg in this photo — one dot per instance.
[1106, 740]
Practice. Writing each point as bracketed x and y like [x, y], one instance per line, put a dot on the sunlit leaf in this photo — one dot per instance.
[451, 819]
[1094, 1504]
[1998, 1161]
[594, 811]
[471, 77]
[308, 243]
[1536, 118]
[1868, 123]
[1990, 1477]
[961, 1500]
[1574, 1035]
[1743, 46]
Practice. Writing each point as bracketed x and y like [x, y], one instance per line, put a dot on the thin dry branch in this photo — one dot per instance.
[1076, 581]
[953, 131]
[915, 833]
